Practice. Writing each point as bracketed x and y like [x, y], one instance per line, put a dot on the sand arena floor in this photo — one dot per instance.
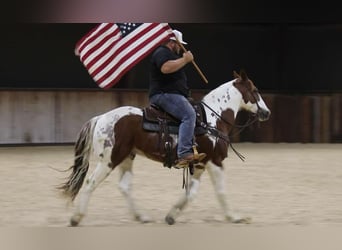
[278, 184]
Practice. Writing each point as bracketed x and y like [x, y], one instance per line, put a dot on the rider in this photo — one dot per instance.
[169, 90]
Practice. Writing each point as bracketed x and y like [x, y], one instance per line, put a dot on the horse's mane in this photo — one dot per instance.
[220, 89]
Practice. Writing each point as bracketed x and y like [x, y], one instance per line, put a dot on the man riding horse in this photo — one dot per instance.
[169, 91]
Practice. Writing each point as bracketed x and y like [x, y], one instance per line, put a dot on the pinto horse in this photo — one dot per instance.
[115, 137]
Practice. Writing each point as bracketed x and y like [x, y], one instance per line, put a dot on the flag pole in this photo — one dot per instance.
[193, 62]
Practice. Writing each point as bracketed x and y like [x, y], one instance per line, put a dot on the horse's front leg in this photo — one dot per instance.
[125, 186]
[189, 195]
[216, 174]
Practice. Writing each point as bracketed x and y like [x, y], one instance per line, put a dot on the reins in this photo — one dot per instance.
[218, 134]
[186, 178]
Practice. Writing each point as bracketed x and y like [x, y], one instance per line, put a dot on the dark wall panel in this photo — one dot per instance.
[279, 57]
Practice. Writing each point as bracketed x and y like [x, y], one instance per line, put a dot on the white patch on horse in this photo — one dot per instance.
[104, 136]
[218, 106]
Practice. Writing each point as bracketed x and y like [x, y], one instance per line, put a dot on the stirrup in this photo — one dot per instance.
[198, 156]
[183, 163]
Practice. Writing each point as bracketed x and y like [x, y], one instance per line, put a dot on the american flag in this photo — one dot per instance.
[109, 50]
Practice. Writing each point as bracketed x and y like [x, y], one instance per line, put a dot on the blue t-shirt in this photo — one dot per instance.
[166, 83]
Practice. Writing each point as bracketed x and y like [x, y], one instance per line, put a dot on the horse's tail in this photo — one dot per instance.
[83, 147]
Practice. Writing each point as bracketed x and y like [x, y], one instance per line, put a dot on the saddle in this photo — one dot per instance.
[155, 119]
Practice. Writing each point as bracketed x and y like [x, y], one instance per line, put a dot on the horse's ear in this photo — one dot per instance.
[235, 74]
[243, 74]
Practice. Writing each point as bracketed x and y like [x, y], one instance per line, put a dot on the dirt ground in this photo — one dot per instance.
[278, 184]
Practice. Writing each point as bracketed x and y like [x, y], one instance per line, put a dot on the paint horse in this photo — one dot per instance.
[115, 138]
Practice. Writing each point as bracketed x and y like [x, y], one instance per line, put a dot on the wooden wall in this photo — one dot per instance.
[50, 116]
[303, 119]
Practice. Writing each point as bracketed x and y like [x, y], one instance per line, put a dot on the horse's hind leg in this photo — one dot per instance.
[187, 197]
[101, 171]
[125, 186]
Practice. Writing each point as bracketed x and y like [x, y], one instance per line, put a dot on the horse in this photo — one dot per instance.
[114, 138]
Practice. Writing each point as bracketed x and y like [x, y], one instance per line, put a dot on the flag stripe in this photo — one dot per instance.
[130, 58]
[116, 48]
[91, 36]
[123, 50]
[111, 80]
[121, 46]
[94, 46]
[110, 50]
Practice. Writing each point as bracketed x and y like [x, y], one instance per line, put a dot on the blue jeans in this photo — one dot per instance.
[179, 107]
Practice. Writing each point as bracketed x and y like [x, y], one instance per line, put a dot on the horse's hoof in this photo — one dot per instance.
[73, 223]
[246, 220]
[170, 220]
[143, 218]
[238, 220]
[75, 220]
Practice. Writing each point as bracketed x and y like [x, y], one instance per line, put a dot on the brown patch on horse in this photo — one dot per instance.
[129, 134]
[226, 122]
[123, 139]
[246, 87]
[215, 154]
[220, 152]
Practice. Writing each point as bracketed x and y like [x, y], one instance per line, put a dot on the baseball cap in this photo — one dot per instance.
[179, 36]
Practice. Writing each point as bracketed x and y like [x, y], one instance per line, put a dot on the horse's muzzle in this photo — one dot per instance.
[263, 114]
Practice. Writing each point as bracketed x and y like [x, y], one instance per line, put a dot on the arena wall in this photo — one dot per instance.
[56, 116]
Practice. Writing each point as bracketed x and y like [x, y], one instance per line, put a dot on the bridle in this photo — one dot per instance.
[241, 127]
[219, 134]
[250, 120]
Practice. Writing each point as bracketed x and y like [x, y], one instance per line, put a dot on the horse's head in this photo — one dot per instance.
[251, 99]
